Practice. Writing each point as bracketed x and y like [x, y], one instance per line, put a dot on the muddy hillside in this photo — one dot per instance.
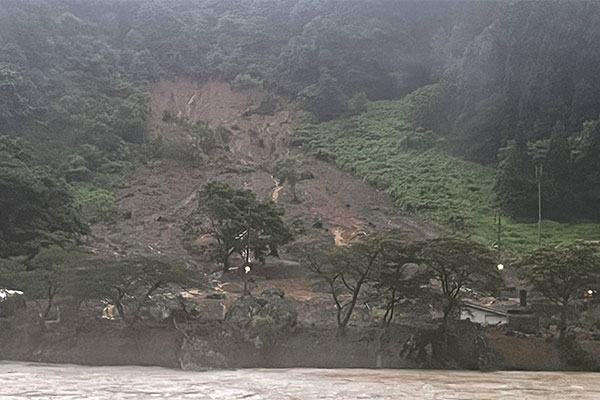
[161, 195]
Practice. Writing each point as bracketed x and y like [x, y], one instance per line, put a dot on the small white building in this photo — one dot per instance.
[482, 315]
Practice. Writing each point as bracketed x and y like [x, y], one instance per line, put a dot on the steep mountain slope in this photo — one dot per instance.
[161, 195]
[385, 146]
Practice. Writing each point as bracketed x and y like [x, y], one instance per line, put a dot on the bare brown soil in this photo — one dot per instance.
[334, 206]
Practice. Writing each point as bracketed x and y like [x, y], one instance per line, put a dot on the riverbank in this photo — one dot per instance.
[201, 345]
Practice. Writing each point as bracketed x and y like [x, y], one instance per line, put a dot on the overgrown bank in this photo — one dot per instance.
[386, 148]
[208, 344]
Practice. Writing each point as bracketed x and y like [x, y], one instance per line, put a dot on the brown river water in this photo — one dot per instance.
[60, 381]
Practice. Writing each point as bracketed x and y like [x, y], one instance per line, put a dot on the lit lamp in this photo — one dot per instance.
[247, 270]
[500, 267]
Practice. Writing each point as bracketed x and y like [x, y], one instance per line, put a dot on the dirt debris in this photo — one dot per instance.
[334, 205]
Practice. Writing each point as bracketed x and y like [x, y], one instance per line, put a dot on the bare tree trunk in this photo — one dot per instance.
[562, 327]
[143, 301]
[349, 310]
[51, 293]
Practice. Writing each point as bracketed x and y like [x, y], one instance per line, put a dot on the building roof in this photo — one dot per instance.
[483, 308]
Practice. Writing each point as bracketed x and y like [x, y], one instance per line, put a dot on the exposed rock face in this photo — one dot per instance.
[463, 345]
[198, 354]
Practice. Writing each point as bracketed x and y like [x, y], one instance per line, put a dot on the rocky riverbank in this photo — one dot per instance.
[263, 331]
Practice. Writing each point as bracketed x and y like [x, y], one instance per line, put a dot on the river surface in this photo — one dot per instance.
[60, 381]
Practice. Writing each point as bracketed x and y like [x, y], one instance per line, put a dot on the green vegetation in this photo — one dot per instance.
[348, 270]
[457, 264]
[288, 170]
[37, 208]
[97, 204]
[128, 282]
[380, 261]
[74, 79]
[408, 162]
[513, 82]
[387, 150]
[241, 223]
[562, 274]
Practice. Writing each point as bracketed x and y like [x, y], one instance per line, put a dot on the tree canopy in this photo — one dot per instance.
[237, 220]
[36, 206]
[378, 259]
[563, 274]
[288, 170]
[459, 264]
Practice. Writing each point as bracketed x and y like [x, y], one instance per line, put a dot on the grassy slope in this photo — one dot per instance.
[406, 161]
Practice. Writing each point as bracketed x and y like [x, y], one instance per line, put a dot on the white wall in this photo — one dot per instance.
[482, 317]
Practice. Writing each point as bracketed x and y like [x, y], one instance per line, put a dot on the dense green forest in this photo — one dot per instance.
[507, 84]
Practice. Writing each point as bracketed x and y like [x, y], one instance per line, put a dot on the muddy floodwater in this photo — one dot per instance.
[44, 381]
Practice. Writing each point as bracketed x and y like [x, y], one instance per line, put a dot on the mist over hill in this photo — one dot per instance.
[338, 167]
[76, 73]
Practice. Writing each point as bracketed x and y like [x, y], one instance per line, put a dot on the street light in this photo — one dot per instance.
[247, 270]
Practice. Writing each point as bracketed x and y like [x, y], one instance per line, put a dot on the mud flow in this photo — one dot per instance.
[31, 381]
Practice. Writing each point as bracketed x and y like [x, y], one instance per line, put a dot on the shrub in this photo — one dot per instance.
[97, 204]
[245, 82]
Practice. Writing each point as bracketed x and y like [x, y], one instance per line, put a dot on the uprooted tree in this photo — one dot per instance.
[238, 221]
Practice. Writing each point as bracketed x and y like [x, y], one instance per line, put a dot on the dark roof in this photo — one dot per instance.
[483, 308]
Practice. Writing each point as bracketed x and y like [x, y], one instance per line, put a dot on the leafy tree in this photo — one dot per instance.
[584, 106]
[238, 220]
[562, 274]
[288, 169]
[55, 271]
[558, 171]
[36, 207]
[203, 138]
[137, 279]
[77, 169]
[515, 181]
[97, 204]
[348, 269]
[326, 99]
[587, 171]
[459, 264]
[395, 281]
[14, 93]
[358, 103]
[45, 276]
[244, 82]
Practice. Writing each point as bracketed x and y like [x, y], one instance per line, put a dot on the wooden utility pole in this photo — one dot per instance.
[538, 176]
[498, 241]
[247, 263]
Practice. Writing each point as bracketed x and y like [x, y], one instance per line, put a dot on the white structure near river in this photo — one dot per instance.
[482, 315]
